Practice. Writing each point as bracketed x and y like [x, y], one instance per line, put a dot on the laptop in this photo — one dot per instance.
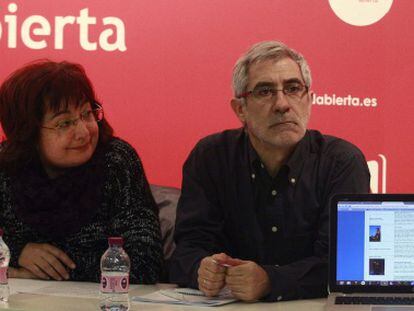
[371, 252]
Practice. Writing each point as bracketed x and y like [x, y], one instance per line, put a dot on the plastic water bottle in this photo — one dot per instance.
[4, 265]
[115, 266]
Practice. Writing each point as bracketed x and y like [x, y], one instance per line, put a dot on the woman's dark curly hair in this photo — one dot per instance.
[28, 93]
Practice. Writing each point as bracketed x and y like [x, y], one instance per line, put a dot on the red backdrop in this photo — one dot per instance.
[165, 80]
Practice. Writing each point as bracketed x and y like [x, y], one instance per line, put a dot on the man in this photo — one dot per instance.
[253, 215]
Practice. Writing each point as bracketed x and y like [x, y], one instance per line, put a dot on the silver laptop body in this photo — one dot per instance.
[371, 252]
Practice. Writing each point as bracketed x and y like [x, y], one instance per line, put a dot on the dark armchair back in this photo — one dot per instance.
[166, 199]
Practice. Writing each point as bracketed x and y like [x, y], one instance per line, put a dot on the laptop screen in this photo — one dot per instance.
[374, 241]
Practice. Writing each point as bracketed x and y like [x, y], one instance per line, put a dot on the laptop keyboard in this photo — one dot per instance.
[361, 300]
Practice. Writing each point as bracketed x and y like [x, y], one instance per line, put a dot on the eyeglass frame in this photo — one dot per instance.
[275, 90]
[74, 122]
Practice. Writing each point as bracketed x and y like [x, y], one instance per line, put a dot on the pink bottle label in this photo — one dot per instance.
[114, 283]
[3, 275]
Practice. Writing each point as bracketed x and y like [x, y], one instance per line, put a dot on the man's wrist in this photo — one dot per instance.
[267, 287]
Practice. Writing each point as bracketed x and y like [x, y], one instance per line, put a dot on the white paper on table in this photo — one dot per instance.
[55, 288]
[155, 297]
[185, 296]
[17, 285]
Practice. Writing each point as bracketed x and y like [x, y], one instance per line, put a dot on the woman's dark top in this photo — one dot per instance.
[126, 209]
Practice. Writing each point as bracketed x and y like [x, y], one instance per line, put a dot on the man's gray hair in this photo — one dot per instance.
[264, 51]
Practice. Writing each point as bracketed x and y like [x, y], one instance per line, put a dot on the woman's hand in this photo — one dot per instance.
[20, 273]
[46, 261]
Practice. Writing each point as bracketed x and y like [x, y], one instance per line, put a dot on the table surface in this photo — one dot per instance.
[41, 302]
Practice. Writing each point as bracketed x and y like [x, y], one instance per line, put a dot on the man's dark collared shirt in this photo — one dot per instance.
[228, 204]
[270, 202]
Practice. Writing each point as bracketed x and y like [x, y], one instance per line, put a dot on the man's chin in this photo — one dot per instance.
[285, 140]
[287, 137]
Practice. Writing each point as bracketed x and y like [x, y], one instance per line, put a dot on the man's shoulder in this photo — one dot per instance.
[225, 139]
[223, 147]
[332, 146]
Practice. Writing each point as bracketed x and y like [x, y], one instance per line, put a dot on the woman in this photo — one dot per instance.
[66, 183]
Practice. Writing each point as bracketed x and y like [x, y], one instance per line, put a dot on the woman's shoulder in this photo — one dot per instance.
[2, 170]
[119, 152]
[117, 144]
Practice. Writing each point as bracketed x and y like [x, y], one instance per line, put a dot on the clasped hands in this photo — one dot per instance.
[42, 261]
[246, 280]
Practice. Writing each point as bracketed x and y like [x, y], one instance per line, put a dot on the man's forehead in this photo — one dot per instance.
[271, 69]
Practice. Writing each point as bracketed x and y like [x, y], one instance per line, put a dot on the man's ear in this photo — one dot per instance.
[238, 107]
[311, 94]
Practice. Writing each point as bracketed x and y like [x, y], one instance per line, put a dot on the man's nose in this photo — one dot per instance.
[280, 102]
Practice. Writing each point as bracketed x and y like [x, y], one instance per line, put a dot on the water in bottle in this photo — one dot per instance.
[4, 265]
[115, 266]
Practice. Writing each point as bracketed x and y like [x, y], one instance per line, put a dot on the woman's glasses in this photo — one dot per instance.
[88, 116]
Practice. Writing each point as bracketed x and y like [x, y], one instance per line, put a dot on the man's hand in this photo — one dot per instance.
[211, 274]
[45, 261]
[247, 281]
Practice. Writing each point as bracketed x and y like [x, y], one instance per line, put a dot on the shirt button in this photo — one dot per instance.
[253, 176]
[292, 180]
[274, 192]
[261, 165]
[274, 229]
[279, 298]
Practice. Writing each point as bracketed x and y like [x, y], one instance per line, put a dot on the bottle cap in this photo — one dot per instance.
[118, 241]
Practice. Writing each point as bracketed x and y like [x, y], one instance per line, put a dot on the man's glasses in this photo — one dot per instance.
[88, 116]
[293, 91]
